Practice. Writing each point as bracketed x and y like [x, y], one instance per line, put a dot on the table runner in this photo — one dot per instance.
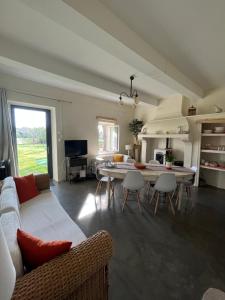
[130, 166]
[163, 168]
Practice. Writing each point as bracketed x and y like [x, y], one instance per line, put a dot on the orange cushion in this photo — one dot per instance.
[118, 158]
[26, 187]
[36, 252]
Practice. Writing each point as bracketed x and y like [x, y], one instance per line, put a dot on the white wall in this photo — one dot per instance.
[206, 104]
[76, 120]
[80, 122]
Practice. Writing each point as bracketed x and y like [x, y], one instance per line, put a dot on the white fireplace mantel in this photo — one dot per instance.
[182, 136]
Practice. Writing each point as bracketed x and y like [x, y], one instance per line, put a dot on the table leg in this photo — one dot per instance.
[180, 195]
[108, 191]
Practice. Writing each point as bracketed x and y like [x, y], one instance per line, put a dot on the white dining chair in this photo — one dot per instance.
[150, 184]
[187, 185]
[166, 184]
[213, 294]
[130, 160]
[154, 162]
[101, 180]
[132, 183]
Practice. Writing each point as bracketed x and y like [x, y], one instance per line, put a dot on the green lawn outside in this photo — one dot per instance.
[32, 158]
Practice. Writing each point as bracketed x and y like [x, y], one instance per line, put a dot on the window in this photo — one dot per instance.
[108, 136]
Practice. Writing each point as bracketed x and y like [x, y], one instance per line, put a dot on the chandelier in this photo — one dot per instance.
[133, 93]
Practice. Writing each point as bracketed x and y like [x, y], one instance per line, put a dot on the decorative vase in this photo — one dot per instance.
[217, 109]
[169, 165]
[191, 111]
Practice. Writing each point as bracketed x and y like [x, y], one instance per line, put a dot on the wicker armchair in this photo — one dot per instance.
[82, 273]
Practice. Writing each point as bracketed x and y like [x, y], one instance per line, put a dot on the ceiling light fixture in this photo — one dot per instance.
[133, 93]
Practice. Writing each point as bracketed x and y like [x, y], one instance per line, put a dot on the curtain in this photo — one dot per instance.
[7, 141]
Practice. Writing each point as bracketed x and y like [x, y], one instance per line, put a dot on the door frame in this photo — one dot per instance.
[48, 131]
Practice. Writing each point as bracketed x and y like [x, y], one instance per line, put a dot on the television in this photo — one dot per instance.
[75, 147]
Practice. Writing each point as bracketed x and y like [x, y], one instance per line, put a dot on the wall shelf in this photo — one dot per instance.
[213, 138]
[212, 151]
[213, 168]
[213, 134]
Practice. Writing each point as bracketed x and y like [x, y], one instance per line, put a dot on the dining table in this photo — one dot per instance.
[150, 173]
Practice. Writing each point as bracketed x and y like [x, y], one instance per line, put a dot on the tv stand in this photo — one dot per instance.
[76, 161]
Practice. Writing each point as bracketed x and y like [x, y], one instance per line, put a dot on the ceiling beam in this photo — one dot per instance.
[93, 21]
[21, 61]
[117, 38]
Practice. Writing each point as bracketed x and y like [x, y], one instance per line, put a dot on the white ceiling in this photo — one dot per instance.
[20, 23]
[70, 46]
[189, 33]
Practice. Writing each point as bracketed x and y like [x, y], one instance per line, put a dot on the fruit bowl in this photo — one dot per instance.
[139, 166]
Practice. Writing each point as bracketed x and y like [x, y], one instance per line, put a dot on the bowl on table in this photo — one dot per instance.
[139, 166]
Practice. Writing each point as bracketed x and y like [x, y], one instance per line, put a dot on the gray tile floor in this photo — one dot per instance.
[162, 257]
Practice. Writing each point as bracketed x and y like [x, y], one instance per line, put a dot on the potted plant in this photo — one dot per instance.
[135, 127]
[169, 160]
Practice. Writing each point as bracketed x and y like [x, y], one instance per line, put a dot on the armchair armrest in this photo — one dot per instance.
[62, 276]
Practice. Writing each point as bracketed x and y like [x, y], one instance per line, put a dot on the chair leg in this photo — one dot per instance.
[126, 192]
[177, 198]
[157, 203]
[189, 191]
[173, 194]
[139, 201]
[148, 188]
[186, 189]
[153, 195]
[112, 189]
[171, 204]
[97, 188]
[100, 187]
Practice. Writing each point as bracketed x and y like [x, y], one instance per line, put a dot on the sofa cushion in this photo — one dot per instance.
[9, 198]
[45, 218]
[36, 252]
[8, 182]
[26, 187]
[117, 158]
[10, 223]
[42, 181]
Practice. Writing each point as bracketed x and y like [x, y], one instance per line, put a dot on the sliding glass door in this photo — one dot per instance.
[32, 132]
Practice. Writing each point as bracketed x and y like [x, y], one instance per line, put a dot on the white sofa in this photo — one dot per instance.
[107, 157]
[42, 216]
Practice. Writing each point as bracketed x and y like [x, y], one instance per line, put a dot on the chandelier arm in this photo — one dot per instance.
[135, 93]
[124, 94]
[131, 86]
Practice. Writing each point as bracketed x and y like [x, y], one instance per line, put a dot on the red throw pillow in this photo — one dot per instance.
[26, 187]
[36, 252]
